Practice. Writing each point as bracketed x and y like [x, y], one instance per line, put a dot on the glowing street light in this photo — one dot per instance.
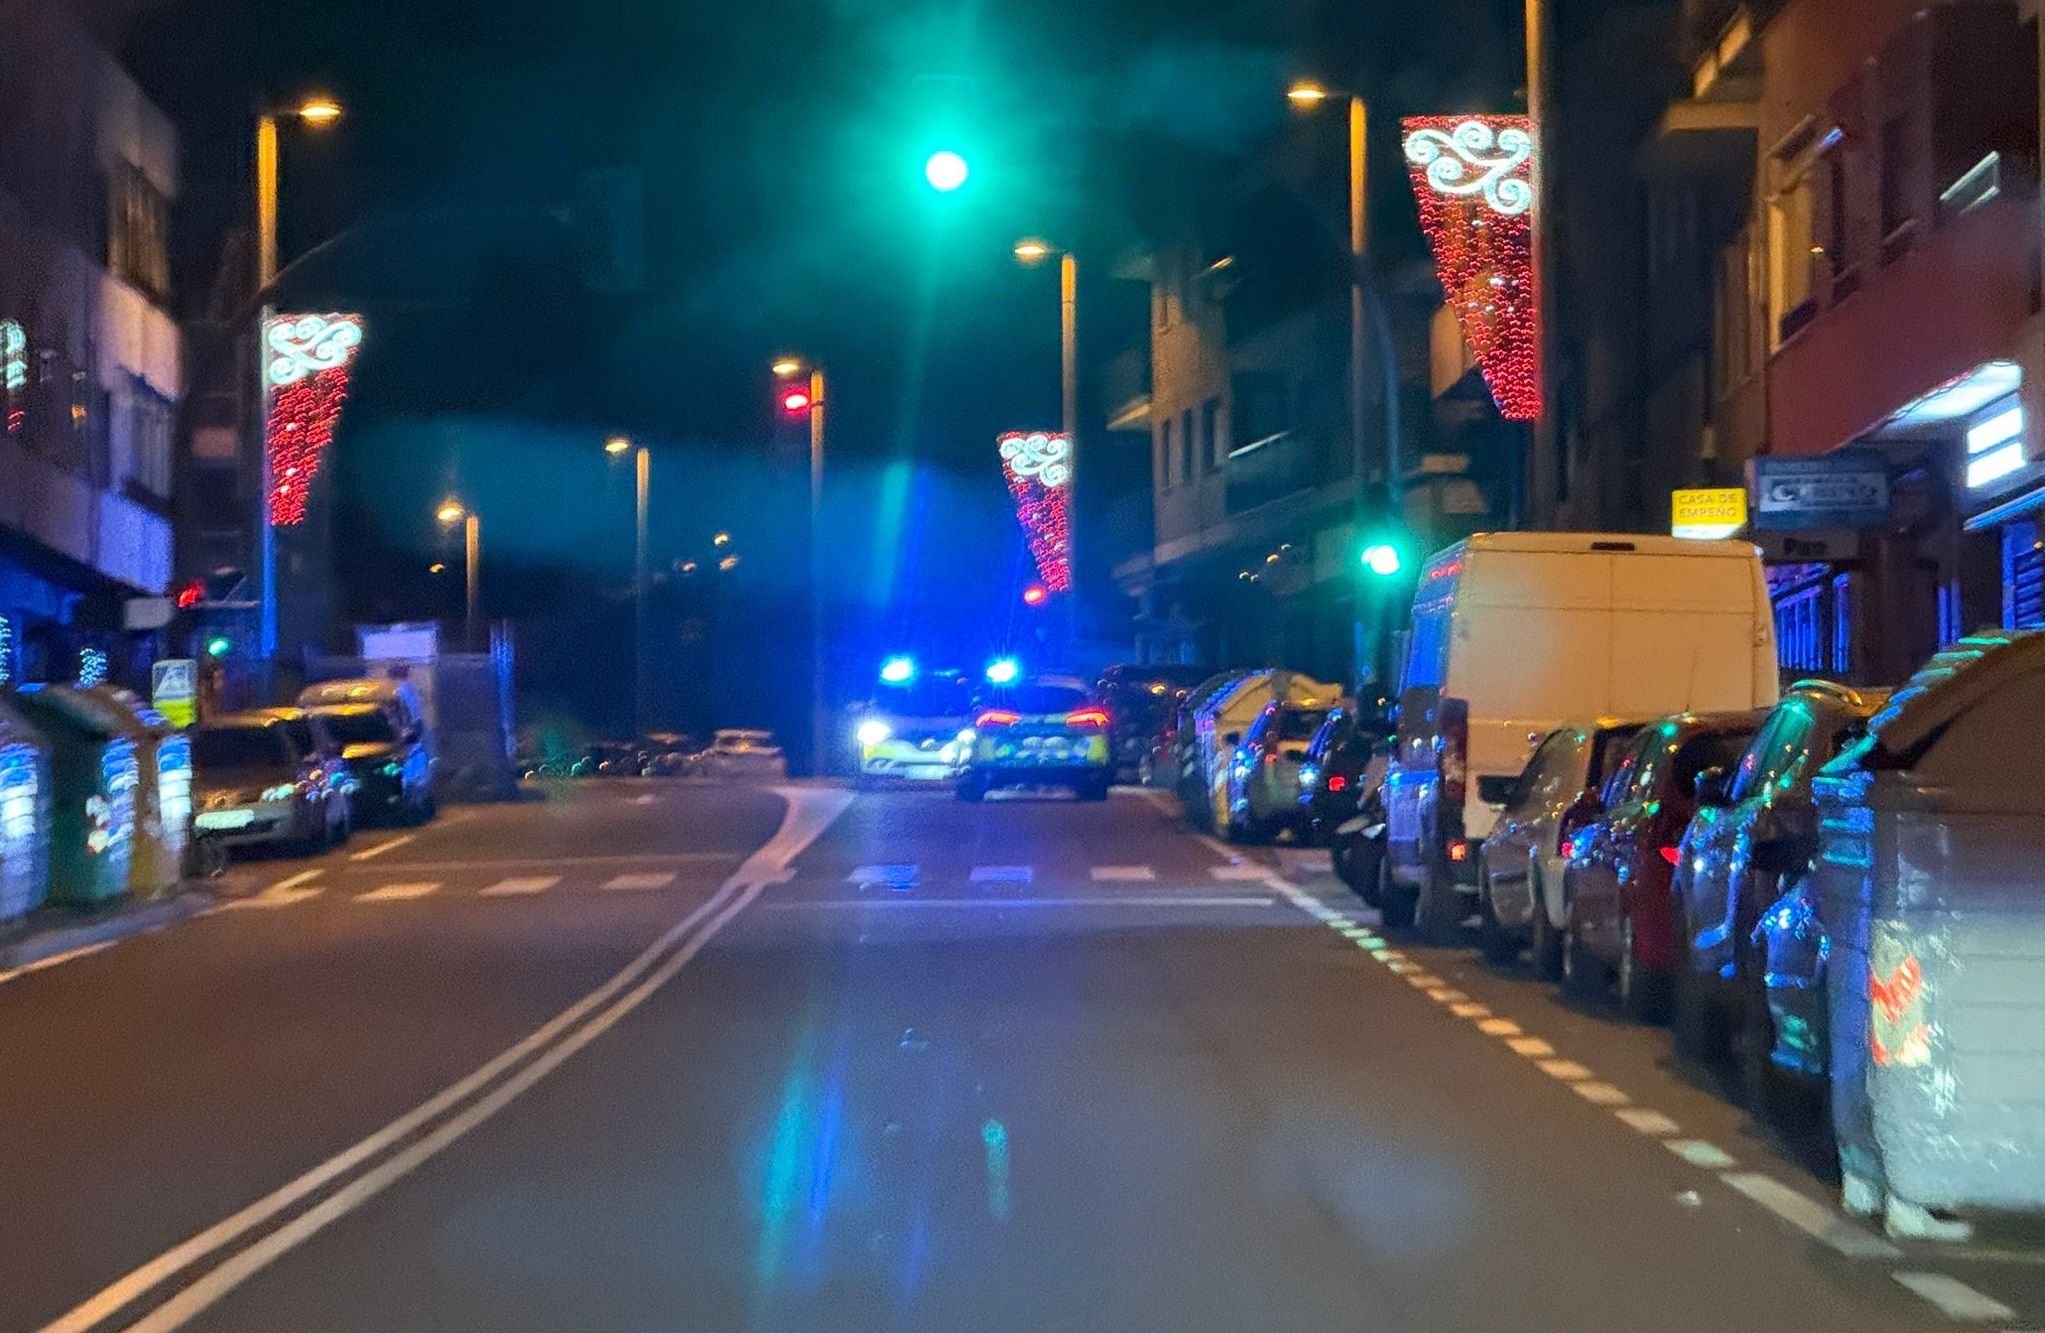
[786, 368]
[1032, 250]
[1306, 93]
[946, 171]
[450, 513]
[616, 445]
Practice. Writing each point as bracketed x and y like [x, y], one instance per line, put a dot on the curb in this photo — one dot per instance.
[105, 930]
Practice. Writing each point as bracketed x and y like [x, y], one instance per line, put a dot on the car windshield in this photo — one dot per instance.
[1300, 724]
[930, 696]
[1039, 698]
[369, 727]
[228, 749]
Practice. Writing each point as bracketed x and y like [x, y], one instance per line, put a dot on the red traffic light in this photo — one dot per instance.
[191, 594]
[795, 400]
[1036, 595]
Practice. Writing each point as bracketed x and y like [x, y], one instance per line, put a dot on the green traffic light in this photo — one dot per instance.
[946, 171]
[1382, 559]
[219, 646]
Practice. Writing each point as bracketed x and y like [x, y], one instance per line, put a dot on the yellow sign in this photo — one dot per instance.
[1708, 515]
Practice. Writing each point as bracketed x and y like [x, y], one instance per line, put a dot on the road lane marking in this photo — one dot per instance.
[1239, 873]
[889, 874]
[1600, 1094]
[810, 812]
[302, 877]
[639, 883]
[1499, 1027]
[1001, 875]
[545, 862]
[382, 847]
[1097, 900]
[520, 886]
[1699, 1153]
[1810, 1217]
[1652, 1123]
[646, 799]
[404, 891]
[1531, 1047]
[1566, 1070]
[1469, 1010]
[1954, 1298]
[1443, 995]
[54, 959]
[1122, 874]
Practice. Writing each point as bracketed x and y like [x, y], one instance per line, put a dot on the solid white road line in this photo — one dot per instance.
[1122, 874]
[54, 959]
[1001, 875]
[382, 847]
[1954, 1298]
[400, 892]
[810, 812]
[639, 883]
[520, 886]
[1811, 1217]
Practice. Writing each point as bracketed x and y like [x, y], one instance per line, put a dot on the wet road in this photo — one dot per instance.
[661, 1056]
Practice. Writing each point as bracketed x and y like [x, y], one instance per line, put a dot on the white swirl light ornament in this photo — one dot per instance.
[1475, 158]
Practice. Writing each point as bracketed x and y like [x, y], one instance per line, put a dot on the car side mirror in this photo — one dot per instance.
[1712, 787]
[1496, 789]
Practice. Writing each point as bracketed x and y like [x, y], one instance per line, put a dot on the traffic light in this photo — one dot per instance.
[1036, 595]
[1382, 559]
[946, 170]
[218, 646]
[795, 400]
[191, 594]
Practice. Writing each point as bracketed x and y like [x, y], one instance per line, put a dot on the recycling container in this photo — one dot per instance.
[163, 793]
[1931, 889]
[24, 815]
[94, 773]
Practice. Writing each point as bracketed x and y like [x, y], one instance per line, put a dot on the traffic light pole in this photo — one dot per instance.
[1068, 327]
[820, 723]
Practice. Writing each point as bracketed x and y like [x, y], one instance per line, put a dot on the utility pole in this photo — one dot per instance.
[1538, 478]
[1068, 327]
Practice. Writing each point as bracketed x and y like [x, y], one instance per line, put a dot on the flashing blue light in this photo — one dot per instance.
[898, 670]
[1003, 671]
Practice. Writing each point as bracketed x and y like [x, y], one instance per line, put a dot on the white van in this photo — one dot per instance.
[1517, 633]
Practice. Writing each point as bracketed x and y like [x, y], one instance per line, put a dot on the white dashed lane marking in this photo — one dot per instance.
[1002, 875]
[1699, 1153]
[1600, 1094]
[639, 882]
[1954, 1298]
[521, 886]
[1811, 1217]
[888, 874]
[1531, 1047]
[398, 893]
[1122, 874]
[1242, 872]
[1648, 1122]
[1566, 1070]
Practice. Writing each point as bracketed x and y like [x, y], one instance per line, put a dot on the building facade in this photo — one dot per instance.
[90, 356]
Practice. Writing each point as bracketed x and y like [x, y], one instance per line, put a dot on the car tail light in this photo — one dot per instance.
[1087, 717]
[997, 717]
[1672, 855]
[1338, 783]
[1459, 850]
[1455, 751]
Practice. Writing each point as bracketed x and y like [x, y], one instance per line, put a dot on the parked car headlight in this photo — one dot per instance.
[873, 731]
[283, 791]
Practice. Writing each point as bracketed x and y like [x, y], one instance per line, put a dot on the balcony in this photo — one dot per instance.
[1268, 469]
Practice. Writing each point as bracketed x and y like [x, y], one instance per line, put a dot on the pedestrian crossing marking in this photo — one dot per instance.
[1240, 872]
[1001, 875]
[888, 874]
[403, 892]
[1123, 874]
[642, 881]
[519, 886]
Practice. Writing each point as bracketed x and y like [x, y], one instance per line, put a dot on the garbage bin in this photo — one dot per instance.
[24, 816]
[94, 773]
[1931, 889]
[163, 794]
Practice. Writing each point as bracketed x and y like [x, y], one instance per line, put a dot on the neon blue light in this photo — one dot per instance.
[1003, 671]
[899, 670]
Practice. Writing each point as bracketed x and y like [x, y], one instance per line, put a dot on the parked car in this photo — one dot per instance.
[1911, 951]
[1718, 890]
[1188, 774]
[381, 730]
[1519, 867]
[740, 753]
[1263, 777]
[911, 730]
[1514, 634]
[1042, 732]
[1226, 720]
[1619, 929]
[1332, 773]
[1143, 708]
[270, 776]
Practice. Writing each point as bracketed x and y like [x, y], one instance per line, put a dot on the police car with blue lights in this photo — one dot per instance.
[909, 730]
[1036, 731]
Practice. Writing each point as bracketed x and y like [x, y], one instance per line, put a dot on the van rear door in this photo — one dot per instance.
[1685, 629]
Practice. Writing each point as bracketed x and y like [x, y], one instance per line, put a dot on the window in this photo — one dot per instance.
[1554, 776]
[1797, 642]
[1168, 451]
[13, 376]
[1189, 448]
[138, 230]
[1842, 625]
[2023, 577]
[1778, 751]
[1796, 248]
[1210, 425]
[1650, 756]
[1899, 186]
[1621, 776]
[149, 439]
[1837, 236]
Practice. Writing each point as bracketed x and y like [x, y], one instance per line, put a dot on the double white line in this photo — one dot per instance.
[240, 1246]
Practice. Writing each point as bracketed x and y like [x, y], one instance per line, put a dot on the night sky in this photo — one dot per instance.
[780, 148]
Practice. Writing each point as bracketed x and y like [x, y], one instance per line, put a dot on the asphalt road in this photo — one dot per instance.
[658, 1056]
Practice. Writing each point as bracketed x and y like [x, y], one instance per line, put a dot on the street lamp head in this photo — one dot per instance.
[616, 445]
[787, 367]
[1032, 250]
[1306, 94]
[945, 170]
[451, 512]
[319, 111]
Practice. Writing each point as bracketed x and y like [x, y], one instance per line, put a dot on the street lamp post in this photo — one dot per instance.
[1032, 251]
[315, 112]
[790, 368]
[451, 512]
[642, 472]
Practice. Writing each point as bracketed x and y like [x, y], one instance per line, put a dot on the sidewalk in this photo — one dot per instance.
[49, 932]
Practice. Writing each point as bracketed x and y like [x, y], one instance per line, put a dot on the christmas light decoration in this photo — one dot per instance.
[14, 374]
[6, 651]
[92, 667]
[1473, 176]
[1038, 466]
[308, 361]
